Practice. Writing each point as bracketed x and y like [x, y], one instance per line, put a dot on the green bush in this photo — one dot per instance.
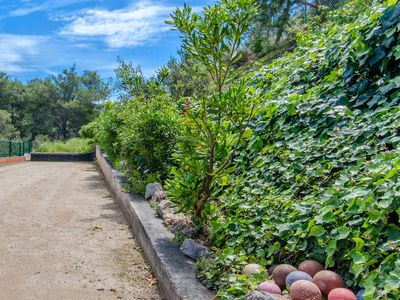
[147, 140]
[75, 145]
[138, 137]
[320, 176]
[105, 129]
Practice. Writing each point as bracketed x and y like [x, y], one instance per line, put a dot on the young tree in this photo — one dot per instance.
[216, 122]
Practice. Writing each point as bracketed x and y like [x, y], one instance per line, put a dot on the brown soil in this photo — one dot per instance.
[63, 237]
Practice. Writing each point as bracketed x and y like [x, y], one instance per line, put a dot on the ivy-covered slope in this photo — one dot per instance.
[320, 177]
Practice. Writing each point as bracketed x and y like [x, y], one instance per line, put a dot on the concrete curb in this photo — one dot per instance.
[174, 271]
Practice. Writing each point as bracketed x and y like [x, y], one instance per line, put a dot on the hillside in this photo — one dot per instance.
[319, 176]
[296, 160]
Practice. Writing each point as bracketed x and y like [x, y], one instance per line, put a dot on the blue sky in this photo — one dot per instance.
[42, 37]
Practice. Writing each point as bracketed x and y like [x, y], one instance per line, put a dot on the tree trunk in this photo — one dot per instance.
[283, 22]
[207, 181]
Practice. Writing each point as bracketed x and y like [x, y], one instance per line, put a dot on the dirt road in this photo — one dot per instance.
[63, 237]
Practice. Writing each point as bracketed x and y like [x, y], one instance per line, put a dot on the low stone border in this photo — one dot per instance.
[174, 271]
[10, 160]
[66, 157]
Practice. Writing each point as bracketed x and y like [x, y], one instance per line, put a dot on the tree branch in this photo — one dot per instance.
[313, 5]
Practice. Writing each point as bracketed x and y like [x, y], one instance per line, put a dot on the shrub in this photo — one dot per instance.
[138, 137]
[105, 130]
[74, 145]
[148, 139]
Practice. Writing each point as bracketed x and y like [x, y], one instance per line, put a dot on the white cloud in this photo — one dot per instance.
[45, 6]
[16, 49]
[136, 25]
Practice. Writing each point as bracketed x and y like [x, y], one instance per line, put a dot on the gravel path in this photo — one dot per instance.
[63, 237]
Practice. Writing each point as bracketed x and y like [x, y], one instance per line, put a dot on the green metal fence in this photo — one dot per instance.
[15, 148]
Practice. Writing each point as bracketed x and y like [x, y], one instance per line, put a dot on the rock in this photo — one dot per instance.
[311, 267]
[187, 230]
[281, 297]
[165, 207]
[360, 294]
[194, 249]
[252, 269]
[303, 289]
[341, 294]
[151, 189]
[327, 281]
[158, 196]
[281, 272]
[269, 287]
[258, 295]
[176, 220]
[169, 219]
[297, 275]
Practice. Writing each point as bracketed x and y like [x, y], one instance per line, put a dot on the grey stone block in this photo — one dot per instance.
[151, 189]
[194, 249]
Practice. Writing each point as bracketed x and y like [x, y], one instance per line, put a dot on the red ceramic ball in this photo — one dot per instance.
[327, 281]
[269, 287]
[341, 294]
[281, 272]
[311, 267]
[303, 289]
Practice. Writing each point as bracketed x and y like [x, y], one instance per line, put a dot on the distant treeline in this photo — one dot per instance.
[56, 106]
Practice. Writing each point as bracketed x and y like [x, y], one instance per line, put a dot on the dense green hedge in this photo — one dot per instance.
[138, 137]
[319, 177]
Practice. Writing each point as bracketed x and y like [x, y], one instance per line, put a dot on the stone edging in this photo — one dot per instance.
[66, 157]
[14, 159]
[174, 271]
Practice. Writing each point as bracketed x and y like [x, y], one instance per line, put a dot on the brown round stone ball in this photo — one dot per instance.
[252, 269]
[269, 287]
[311, 267]
[327, 281]
[341, 294]
[305, 290]
[281, 272]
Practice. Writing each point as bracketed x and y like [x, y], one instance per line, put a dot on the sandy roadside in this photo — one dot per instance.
[63, 237]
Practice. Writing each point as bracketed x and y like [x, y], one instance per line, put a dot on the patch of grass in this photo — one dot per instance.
[75, 145]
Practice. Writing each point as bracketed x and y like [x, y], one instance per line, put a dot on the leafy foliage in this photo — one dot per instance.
[105, 129]
[319, 178]
[138, 134]
[215, 123]
[186, 78]
[148, 139]
[7, 130]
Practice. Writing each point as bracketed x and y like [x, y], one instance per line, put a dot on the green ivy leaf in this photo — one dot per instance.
[317, 231]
